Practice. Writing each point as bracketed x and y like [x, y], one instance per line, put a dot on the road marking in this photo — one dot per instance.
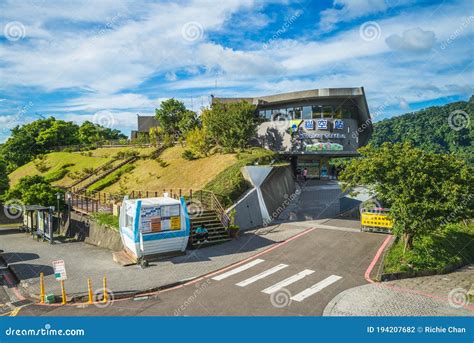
[261, 275]
[238, 269]
[288, 281]
[316, 288]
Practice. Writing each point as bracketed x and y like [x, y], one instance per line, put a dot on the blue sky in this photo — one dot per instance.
[106, 60]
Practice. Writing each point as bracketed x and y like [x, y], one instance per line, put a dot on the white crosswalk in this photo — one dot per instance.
[288, 281]
[302, 295]
[261, 275]
[237, 270]
[315, 288]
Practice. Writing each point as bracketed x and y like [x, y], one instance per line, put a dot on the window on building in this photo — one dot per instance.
[307, 112]
[349, 112]
[297, 113]
[327, 112]
[268, 114]
[291, 113]
[317, 112]
[338, 114]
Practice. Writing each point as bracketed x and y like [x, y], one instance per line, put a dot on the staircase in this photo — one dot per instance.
[94, 172]
[210, 220]
[107, 172]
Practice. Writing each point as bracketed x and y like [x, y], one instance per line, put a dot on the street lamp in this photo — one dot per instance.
[58, 197]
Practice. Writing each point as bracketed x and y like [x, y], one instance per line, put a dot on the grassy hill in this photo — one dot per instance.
[430, 130]
[60, 165]
[219, 173]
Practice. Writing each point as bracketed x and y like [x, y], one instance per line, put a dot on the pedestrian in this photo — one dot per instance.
[201, 233]
[305, 173]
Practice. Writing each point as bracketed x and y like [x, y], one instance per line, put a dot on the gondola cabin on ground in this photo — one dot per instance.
[154, 227]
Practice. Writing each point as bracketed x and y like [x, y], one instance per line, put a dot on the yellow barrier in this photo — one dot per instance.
[376, 220]
[89, 289]
[41, 288]
[106, 296]
[63, 293]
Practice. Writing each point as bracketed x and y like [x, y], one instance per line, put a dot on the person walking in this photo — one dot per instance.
[305, 174]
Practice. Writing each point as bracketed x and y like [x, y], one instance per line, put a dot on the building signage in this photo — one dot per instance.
[59, 270]
[309, 124]
[338, 124]
[322, 135]
[324, 147]
[322, 124]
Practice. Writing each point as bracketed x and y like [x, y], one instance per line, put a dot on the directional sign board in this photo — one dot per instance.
[59, 270]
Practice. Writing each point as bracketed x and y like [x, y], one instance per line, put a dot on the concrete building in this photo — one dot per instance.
[311, 127]
[144, 124]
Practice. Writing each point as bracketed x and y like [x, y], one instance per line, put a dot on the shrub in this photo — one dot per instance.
[188, 155]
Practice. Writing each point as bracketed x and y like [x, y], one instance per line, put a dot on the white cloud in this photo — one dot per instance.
[415, 39]
[347, 10]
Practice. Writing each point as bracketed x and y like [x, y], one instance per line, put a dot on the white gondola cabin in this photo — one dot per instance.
[154, 226]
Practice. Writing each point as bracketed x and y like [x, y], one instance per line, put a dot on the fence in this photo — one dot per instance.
[103, 202]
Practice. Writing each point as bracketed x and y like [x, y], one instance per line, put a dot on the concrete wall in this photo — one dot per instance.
[278, 186]
[85, 229]
[248, 213]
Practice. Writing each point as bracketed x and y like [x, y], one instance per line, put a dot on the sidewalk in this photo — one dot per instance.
[28, 258]
[438, 295]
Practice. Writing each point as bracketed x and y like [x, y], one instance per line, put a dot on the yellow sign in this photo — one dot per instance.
[376, 220]
[175, 223]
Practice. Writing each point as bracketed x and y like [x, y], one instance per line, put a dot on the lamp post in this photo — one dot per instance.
[58, 197]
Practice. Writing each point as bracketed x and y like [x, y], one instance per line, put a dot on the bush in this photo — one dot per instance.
[230, 183]
[111, 178]
[106, 219]
[41, 163]
[450, 246]
[188, 155]
[58, 174]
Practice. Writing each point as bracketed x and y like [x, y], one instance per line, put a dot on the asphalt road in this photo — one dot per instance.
[299, 277]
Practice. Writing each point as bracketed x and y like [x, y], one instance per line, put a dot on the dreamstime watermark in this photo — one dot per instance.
[288, 200]
[192, 31]
[98, 297]
[454, 215]
[370, 31]
[452, 37]
[47, 330]
[281, 298]
[195, 208]
[105, 119]
[15, 119]
[14, 31]
[13, 209]
[283, 29]
[458, 298]
[458, 120]
[192, 298]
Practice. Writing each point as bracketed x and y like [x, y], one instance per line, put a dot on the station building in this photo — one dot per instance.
[312, 127]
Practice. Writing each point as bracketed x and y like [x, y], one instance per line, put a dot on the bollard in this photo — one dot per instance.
[106, 296]
[89, 288]
[63, 293]
[41, 288]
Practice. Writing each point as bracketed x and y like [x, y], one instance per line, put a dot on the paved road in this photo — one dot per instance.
[299, 277]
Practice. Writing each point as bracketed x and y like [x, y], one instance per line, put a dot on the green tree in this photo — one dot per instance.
[34, 190]
[230, 126]
[90, 133]
[198, 142]
[424, 190]
[174, 118]
[4, 181]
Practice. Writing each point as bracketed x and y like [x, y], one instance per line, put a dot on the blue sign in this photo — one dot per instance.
[322, 124]
[309, 124]
[338, 124]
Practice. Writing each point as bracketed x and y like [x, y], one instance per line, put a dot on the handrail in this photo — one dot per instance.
[95, 171]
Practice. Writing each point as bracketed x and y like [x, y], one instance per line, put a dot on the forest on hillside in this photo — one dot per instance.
[440, 129]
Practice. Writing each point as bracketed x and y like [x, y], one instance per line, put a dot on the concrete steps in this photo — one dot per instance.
[209, 220]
